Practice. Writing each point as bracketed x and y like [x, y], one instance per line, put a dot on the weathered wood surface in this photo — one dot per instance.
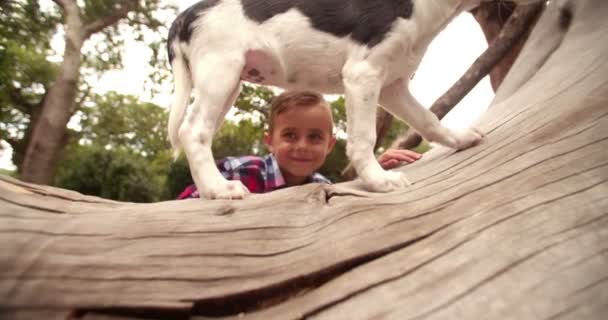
[516, 228]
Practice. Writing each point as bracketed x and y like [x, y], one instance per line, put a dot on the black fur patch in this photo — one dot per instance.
[182, 26]
[366, 21]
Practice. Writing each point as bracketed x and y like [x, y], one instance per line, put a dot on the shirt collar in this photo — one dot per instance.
[274, 179]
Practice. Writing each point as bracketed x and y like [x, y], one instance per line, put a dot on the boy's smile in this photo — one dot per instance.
[301, 138]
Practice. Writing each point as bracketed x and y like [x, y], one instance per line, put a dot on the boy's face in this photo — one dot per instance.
[300, 140]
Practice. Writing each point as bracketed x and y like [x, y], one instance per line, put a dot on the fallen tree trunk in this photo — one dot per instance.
[516, 227]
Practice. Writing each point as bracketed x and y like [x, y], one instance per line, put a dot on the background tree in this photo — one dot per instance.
[25, 71]
[60, 95]
[116, 174]
[119, 150]
[119, 121]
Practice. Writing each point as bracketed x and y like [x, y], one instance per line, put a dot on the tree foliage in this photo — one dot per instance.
[122, 121]
[116, 174]
[119, 150]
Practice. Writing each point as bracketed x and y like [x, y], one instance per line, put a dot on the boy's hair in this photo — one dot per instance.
[289, 100]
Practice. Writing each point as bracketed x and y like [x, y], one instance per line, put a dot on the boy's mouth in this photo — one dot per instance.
[301, 159]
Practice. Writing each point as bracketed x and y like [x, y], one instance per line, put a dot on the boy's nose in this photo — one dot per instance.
[301, 144]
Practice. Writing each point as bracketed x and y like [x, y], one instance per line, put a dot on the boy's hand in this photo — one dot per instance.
[392, 158]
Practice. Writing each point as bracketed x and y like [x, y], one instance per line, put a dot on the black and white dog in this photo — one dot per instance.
[366, 49]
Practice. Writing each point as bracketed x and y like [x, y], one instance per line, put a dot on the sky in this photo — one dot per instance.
[448, 57]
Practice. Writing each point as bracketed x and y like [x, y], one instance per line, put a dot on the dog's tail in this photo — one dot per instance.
[181, 98]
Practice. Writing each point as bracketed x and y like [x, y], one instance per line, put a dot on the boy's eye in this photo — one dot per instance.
[289, 135]
[315, 137]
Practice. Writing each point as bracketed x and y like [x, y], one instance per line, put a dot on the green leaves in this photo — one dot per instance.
[25, 34]
[123, 122]
[254, 101]
[119, 150]
[24, 22]
[116, 174]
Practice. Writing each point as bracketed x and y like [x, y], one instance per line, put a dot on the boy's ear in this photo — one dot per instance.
[332, 143]
[268, 140]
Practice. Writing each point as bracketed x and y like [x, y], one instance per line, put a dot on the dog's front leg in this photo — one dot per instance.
[362, 83]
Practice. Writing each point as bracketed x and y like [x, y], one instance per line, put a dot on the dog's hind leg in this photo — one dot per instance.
[397, 99]
[216, 85]
[361, 88]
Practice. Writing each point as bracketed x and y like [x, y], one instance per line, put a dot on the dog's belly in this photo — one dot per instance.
[286, 52]
[316, 73]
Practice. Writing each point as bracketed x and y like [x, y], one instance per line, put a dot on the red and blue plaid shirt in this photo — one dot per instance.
[258, 174]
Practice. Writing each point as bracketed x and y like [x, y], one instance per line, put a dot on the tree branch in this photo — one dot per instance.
[61, 3]
[101, 23]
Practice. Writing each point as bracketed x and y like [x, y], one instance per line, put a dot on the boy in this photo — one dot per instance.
[299, 138]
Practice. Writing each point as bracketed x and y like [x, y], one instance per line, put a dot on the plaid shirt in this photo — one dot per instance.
[258, 174]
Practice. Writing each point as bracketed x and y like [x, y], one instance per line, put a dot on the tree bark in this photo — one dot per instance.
[45, 144]
[48, 137]
[491, 17]
[514, 228]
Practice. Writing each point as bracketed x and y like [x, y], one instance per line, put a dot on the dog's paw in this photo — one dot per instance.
[386, 181]
[225, 190]
[468, 138]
